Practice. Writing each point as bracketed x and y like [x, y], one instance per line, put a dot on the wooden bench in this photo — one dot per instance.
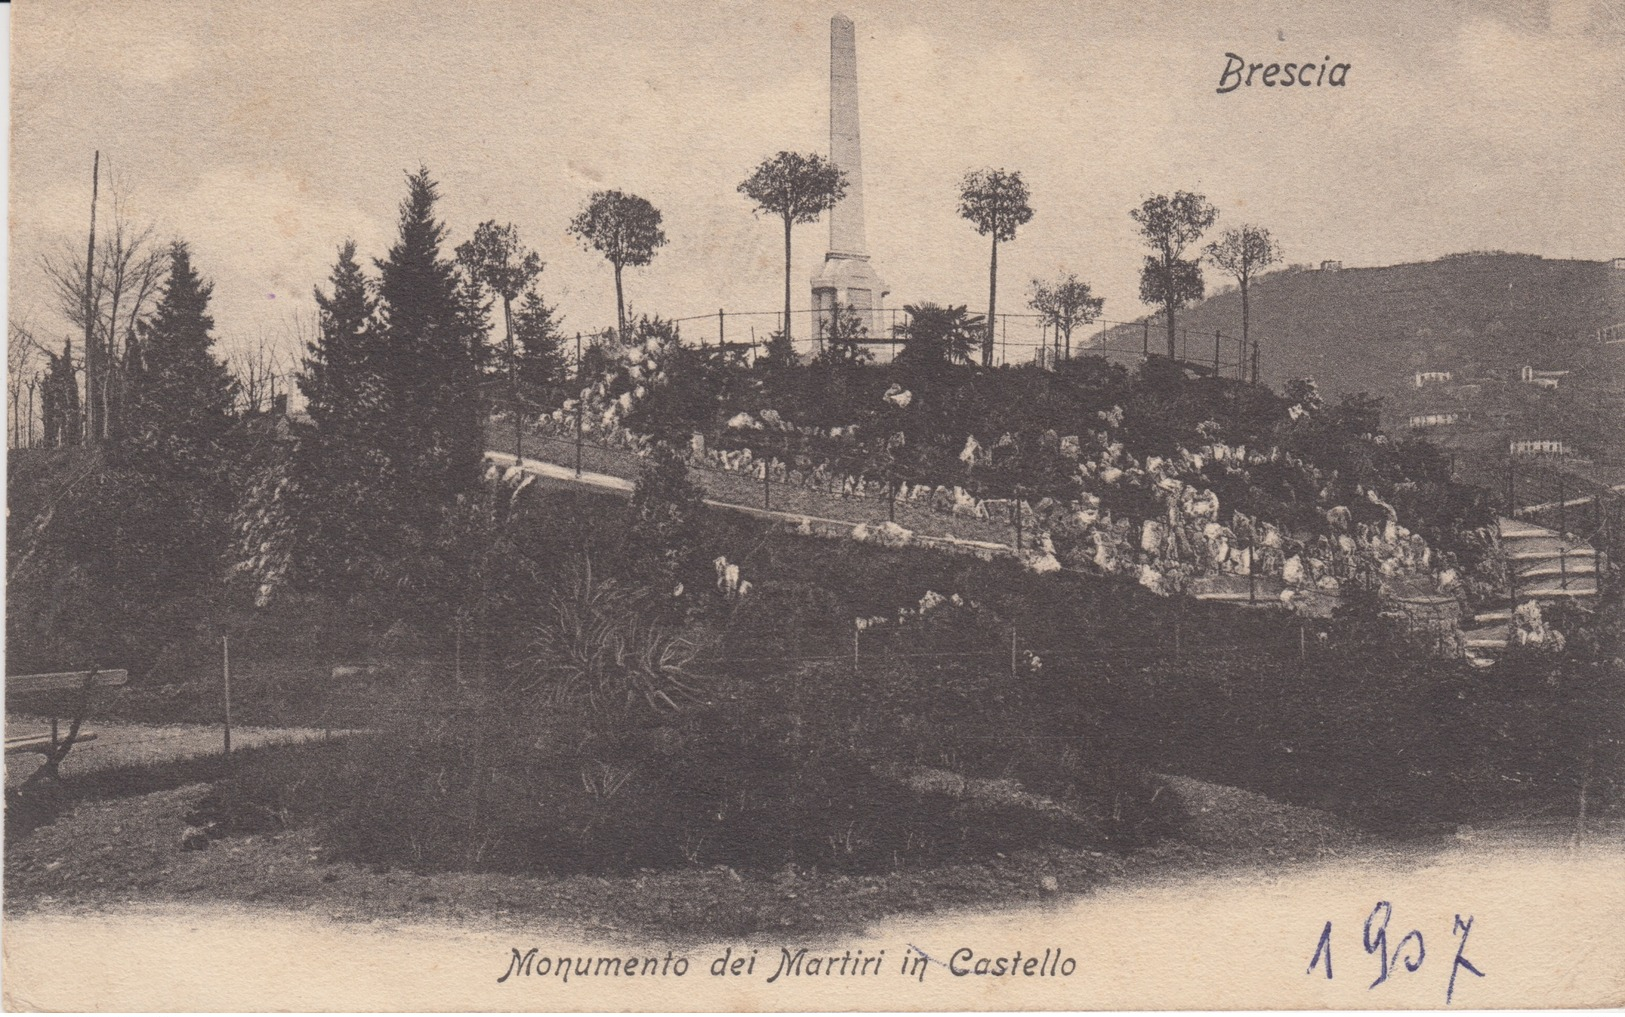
[76, 689]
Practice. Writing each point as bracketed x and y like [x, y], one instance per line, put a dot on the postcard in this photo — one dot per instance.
[721, 506]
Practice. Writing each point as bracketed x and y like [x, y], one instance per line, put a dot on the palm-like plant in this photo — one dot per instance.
[932, 334]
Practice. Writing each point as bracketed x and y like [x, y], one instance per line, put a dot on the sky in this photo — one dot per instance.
[265, 135]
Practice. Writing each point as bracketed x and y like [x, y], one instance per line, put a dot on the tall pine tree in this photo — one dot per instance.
[427, 362]
[160, 526]
[537, 332]
[337, 381]
[316, 517]
[181, 413]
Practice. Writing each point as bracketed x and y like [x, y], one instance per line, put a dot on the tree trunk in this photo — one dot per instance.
[513, 382]
[1243, 283]
[992, 297]
[1173, 348]
[620, 307]
[93, 365]
[787, 277]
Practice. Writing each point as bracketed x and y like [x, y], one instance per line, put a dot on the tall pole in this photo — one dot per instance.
[513, 385]
[581, 405]
[225, 672]
[92, 354]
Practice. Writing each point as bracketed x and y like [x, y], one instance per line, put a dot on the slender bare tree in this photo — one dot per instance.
[23, 364]
[106, 304]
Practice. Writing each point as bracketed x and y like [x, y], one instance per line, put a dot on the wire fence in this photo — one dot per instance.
[257, 695]
[1018, 338]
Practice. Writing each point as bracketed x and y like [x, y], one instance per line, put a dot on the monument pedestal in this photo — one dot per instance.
[848, 280]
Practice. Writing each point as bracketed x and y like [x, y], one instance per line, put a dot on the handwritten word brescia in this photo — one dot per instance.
[1238, 73]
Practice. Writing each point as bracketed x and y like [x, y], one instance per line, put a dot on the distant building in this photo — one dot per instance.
[1541, 379]
[1425, 378]
[1539, 448]
[1443, 419]
[1618, 264]
[1331, 266]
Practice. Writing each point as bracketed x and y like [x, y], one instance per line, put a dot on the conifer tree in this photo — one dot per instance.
[174, 466]
[316, 516]
[536, 328]
[181, 412]
[338, 381]
[426, 361]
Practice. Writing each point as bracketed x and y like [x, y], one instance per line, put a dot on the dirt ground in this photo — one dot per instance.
[120, 744]
[266, 923]
[1246, 878]
[116, 847]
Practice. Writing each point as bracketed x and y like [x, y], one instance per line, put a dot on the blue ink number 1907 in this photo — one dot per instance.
[1409, 950]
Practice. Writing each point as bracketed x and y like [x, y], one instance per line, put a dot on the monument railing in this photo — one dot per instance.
[1018, 338]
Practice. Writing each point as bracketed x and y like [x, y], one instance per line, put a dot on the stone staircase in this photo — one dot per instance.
[1545, 567]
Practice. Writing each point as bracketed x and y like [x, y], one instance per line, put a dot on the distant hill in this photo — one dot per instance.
[1370, 329]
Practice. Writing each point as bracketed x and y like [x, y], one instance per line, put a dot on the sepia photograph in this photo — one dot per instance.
[728, 506]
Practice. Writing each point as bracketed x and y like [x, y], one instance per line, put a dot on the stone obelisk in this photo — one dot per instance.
[846, 278]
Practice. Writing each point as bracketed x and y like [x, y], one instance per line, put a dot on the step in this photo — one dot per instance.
[1501, 615]
[1489, 636]
[1583, 567]
[1556, 549]
[1548, 588]
[1513, 530]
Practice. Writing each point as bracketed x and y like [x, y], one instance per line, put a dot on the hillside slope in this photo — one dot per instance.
[1369, 329]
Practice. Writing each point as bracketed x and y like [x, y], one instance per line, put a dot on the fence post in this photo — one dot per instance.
[1015, 509]
[767, 482]
[225, 673]
[1562, 510]
[722, 329]
[1145, 341]
[855, 647]
[1215, 353]
[1012, 653]
[1255, 361]
[581, 404]
[891, 500]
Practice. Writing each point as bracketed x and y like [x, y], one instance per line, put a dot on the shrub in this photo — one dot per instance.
[599, 655]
